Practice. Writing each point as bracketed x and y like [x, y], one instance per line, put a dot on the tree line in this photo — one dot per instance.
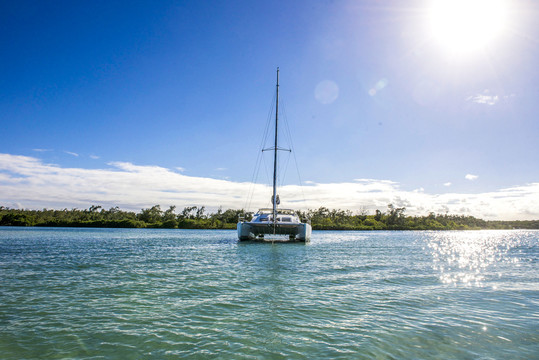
[194, 217]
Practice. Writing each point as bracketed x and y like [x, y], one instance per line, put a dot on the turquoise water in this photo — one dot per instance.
[141, 293]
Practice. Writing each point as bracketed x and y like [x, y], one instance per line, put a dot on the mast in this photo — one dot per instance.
[275, 155]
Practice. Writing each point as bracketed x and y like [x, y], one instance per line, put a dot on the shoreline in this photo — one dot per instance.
[196, 218]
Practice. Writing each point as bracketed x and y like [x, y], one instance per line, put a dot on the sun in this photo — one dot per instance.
[465, 26]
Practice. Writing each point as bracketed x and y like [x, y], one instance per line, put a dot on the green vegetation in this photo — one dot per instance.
[395, 219]
[196, 218]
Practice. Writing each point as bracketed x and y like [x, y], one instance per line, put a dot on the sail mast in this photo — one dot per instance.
[275, 156]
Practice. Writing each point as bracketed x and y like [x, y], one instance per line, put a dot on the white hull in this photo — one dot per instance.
[300, 232]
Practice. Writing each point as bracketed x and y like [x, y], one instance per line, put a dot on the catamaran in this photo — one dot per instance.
[275, 221]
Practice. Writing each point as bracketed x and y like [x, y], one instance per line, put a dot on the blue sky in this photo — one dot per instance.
[376, 105]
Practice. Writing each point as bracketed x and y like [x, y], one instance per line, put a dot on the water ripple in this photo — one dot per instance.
[132, 294]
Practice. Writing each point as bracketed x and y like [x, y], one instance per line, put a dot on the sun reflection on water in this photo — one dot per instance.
[470, 257]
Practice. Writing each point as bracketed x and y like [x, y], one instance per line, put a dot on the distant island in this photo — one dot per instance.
[193, 217]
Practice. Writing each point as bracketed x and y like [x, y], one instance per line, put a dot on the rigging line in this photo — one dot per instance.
[254, 177]
[287, 133]
[268, 180]
[268, 123]
[252, 194]
[263, 161]
[268, 177]
[253, 183]
[283, 170]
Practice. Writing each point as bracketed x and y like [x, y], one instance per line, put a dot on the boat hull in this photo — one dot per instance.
[299, 232]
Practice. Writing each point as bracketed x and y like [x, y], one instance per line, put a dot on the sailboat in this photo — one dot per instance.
[275, 221]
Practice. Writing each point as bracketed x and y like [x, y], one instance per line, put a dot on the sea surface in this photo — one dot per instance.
[196, 294]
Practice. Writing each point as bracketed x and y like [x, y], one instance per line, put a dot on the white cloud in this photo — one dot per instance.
[30, 183]
[471, 177]
[180, 169]
[41, 150]
[221, 169]
[447, 184]
[71, 153]
[95, 157]
[485, 98]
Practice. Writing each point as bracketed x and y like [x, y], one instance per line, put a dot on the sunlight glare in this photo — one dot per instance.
[464, 26]
[470, 259]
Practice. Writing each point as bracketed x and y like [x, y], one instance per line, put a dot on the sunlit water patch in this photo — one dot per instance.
[131, 294]
[478, 258]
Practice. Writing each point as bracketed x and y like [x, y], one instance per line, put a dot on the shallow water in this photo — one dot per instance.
[140, 293]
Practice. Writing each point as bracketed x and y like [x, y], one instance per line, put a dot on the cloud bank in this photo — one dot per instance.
[27, 182]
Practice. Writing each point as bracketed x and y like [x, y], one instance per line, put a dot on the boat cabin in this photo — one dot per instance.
[283, 216]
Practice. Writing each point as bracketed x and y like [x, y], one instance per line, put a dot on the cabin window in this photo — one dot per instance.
[287, 219]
